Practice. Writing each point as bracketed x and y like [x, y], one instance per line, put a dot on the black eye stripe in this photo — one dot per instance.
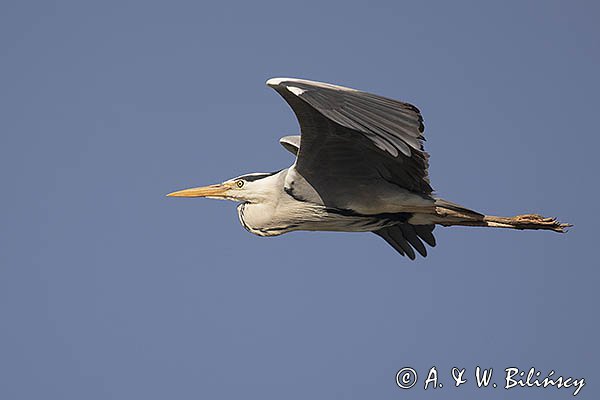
[255, 177]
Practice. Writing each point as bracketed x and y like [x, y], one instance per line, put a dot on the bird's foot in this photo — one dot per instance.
[536, 221]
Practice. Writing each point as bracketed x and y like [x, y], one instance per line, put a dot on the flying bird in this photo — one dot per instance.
[360, 167]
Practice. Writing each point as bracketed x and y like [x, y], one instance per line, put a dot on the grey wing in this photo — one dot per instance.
[291, 143]
[350, 138]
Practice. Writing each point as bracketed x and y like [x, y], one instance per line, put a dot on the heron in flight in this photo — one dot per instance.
[360, 167]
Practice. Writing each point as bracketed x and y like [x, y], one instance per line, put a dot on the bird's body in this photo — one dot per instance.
[360, 167]
[280, 211]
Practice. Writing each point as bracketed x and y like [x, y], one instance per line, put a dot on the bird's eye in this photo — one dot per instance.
[239, 183]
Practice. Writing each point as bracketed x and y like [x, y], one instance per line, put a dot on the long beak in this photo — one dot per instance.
[214, 191]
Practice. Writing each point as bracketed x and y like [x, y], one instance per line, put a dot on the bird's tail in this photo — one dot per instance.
[449, 214]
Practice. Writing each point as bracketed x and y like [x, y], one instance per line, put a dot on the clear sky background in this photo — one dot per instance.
[110, 290]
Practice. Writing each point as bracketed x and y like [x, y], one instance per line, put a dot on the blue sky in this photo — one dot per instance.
[108, 289]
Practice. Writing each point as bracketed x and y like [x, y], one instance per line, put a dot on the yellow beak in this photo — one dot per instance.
[216, 191]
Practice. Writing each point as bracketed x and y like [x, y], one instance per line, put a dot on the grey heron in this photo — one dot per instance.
[360, 167]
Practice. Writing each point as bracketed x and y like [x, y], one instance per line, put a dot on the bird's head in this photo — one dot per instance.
[251, 188]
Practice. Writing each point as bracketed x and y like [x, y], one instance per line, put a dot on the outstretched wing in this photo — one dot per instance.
[353, 138]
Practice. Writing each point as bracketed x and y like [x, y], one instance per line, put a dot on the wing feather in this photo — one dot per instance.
[401, 237]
